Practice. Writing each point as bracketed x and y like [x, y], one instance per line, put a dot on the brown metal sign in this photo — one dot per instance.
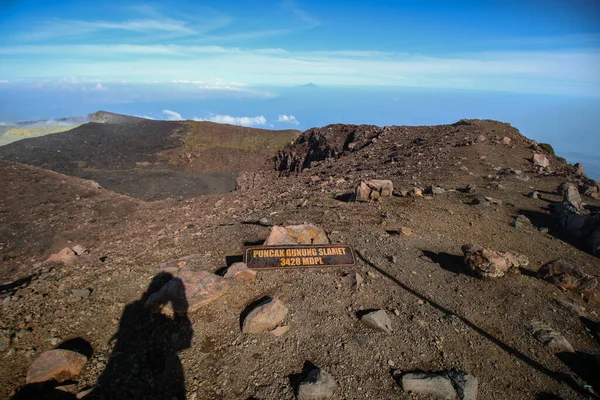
[301, 256]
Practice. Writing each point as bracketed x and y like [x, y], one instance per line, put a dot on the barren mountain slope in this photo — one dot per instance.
[149, 159]
[443, 317]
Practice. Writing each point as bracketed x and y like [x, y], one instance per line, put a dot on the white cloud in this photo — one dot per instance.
[228, 119]
[172, 115]
[3, 81]
[99, 87]
[288, 119]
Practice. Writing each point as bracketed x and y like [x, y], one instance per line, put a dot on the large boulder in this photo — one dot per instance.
[187, 291]
[540, 160]
[584, 227]
[489, 263]
[296, 234]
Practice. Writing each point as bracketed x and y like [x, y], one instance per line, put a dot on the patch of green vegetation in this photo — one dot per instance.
[197, 138]
[547, 148]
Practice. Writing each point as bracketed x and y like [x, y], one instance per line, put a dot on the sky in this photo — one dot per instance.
[533, 63]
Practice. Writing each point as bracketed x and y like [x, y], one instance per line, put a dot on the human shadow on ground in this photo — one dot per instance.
[144, 363]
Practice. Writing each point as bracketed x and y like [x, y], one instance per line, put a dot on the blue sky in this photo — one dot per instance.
[535, 46]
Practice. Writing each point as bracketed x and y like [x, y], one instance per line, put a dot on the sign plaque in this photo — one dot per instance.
[299, 256]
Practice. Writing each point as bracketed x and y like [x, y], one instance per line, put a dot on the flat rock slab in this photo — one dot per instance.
[318, 385]
[58, 364]
[265, 316]
[373, 189]
[188, 291]
[65, 256]
[428, 384]
[296, 234]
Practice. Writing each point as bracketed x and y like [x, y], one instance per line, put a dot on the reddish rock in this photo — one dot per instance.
[188, 291]
[79, 249]
[416, 192]
[57, 364]
[65, 256]
[240, 271]
[296, 234]
[265, 317]
[567, 276]
[489, 263]
[362, 192]
[373, 189]
[506, 140]
[540, 160]
[481, 138]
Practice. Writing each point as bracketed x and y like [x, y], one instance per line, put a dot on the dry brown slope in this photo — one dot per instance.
[445, 319]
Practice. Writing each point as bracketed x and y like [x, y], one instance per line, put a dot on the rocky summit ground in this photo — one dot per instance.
[443, 318]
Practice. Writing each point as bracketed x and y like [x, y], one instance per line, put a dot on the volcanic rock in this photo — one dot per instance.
[521, 222]
[489, 263]
[378, 319]
[567, 276]
[188, 291]
[265, 317]
[65, 256]
[373, 190]
[240, 270]
[296, 234]
[58, 364]
[428, 384]
[540, 160]
[548, 336]
[318, 385]
[571, 195]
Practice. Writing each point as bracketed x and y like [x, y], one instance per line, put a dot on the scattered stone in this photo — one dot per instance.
[296, 234]
[415, 192]
[543, 229]
[373, 189]
[398, 230]
[264, 222]
[493, 201]
[540, 160]
[265, 317]
[489, 263]
[579, 169]
[280, 330]
[58, 364]
[187, 291]
[378, 320]
[589, 190]
[65, 256]
[534, 195]
[435, 190]
[523, 177]
[428, 384]
[318, 385]
[83, 293]
[240, 270]
[79, 249]
[571, 195]
[567, 276]
[573, 308]
[548, 336]
[358, 281]
[521, 222]
[466, 385]
[506, 140]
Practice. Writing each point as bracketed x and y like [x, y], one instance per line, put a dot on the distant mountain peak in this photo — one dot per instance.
[309, 85]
